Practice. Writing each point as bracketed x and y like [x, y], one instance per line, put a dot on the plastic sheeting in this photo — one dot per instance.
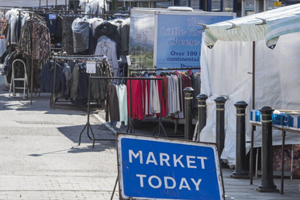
[224, 71]
[81, 31]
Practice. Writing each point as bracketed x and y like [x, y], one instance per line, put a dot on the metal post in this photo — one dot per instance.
[188, 132]
[201, 112]
[220, 123]
[240, 159]
[253, 107]
[267, 182]
[282, 161]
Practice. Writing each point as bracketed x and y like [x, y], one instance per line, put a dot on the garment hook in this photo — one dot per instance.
[203, 25]
[232, 27]
[264, 21]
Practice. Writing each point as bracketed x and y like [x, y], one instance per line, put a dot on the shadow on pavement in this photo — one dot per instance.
[100, 131]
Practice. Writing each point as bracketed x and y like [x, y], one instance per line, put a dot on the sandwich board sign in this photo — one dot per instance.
[162, 168]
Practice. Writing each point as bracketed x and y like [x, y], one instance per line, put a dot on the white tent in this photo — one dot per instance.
[225, 67]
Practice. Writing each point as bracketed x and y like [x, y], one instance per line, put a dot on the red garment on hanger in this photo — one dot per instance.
[136, 99]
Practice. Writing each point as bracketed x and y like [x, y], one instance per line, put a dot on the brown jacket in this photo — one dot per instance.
[112, 103]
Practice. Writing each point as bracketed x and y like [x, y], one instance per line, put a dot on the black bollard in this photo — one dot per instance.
[240, 158]
[188, 132]
[201, 112]
[267, 182]
[220, 124]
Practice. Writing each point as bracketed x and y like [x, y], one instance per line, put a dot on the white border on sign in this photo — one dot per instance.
[120, 136]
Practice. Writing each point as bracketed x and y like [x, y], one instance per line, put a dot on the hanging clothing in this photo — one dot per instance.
[67, 72]
[74, 82]
[95, 22]
[122, 98]
[180, 98]
[12, 31]
[99, 86]
[47, 78]
[176, 103]
[67, 34]
[111, 31]
[81, 32]
[112, 103]
[155, 97]
[161, 98]
[35, 39]
[165, 94]
[107, 47]
[83, 84]
[170, 95]
[125, 30]
[136, 103]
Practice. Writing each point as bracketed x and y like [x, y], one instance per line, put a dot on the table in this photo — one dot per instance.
[283, 129]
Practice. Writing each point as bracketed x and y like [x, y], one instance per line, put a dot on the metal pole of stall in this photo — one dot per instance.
[267, 182]
[240, 161]
[253, 107]
[201, 112]
[188, 133]
[220, 123]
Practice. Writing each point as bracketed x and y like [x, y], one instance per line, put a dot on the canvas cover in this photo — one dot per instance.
[224, 71]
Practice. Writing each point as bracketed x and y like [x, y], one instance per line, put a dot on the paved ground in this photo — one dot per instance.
[41, 159]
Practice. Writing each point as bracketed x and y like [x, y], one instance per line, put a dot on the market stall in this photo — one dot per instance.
[262, 50]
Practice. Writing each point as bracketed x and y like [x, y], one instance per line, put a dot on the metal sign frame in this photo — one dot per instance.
[120, 136]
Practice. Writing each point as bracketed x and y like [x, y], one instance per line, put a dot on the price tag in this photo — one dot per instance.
[91, 67]
[128, 60]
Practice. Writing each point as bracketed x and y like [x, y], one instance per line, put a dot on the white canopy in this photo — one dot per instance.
[225, 67]
[267, 25]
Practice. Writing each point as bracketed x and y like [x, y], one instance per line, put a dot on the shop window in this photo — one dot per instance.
[228, 5]
[195, 4]
[163, 4]
[249, 7]
[270, 4]
[184, 3]
[216, 5]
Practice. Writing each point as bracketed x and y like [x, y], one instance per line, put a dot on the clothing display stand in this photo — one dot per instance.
[163, 69]
[69, 57]
[130, 126]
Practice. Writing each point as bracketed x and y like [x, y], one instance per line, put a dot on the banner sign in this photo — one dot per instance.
[179, 39]
[160, 168]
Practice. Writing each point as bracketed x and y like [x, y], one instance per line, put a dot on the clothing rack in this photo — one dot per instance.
[163, 69]
[69, 57]
[130, 126]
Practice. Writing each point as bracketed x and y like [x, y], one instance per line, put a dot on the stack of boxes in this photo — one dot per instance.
[287, 120]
